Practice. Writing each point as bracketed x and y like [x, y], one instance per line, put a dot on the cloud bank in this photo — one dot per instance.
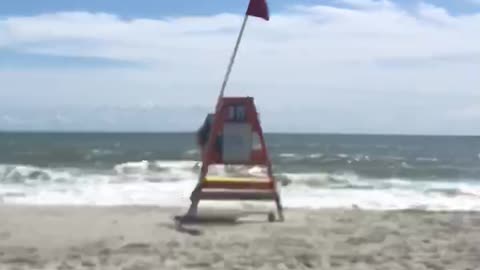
[359, 66]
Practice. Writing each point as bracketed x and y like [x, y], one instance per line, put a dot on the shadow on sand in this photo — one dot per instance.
[181, 221]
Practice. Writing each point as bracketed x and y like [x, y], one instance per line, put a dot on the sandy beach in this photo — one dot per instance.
[146, 238]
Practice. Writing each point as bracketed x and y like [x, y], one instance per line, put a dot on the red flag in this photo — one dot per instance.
[258, 8]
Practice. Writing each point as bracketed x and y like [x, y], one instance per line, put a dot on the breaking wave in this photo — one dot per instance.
[169, 183]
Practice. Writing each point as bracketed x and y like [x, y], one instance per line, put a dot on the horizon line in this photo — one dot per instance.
[265, 132]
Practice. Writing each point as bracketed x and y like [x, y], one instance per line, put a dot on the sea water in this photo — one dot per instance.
[378, 172]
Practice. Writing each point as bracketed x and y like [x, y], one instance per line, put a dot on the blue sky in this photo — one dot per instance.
[155, 8]
[350, 66]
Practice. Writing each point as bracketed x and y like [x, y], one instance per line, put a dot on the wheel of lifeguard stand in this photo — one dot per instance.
[271, 217]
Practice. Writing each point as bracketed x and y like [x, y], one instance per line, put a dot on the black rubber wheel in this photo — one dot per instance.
[271, 217]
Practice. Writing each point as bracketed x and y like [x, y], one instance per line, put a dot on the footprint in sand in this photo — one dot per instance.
[20, 256]
[136, 248]
[65, 266]
[32, 261]
[88, 264]
[74, 256]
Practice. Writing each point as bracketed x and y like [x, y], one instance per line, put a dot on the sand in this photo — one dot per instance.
[146, 238]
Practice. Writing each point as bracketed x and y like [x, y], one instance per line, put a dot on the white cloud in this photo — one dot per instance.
[10, 120]
[368, 58]
[368, 4]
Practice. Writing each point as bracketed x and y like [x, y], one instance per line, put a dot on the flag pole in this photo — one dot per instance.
[232, 58]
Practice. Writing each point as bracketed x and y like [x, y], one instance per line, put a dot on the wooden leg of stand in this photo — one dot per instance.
[192, 211]
[279, 208]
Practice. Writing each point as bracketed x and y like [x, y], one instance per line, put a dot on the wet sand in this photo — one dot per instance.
[131, 238]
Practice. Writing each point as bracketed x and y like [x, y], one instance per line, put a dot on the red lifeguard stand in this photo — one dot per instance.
[234, 129]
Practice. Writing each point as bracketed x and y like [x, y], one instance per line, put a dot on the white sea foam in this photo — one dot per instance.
[315, 155]
[169, 183]
[288, 155]
[137, 167]
[426, 159]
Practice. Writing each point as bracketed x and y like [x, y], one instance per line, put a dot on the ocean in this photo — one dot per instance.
[377, 172]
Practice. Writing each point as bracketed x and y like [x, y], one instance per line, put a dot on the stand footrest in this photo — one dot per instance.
[237, 183]
[236, 195]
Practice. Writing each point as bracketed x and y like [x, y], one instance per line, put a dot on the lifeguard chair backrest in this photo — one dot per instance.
[241, 131]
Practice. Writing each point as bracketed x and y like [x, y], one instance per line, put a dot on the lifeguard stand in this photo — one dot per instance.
[235, 126]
